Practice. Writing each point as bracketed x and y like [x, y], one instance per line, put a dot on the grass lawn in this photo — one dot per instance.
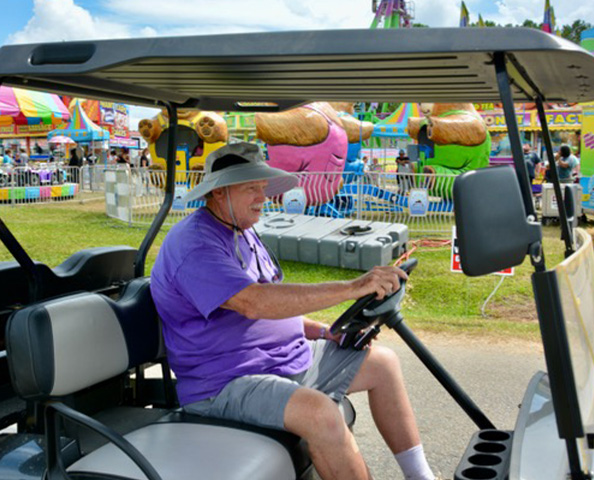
[437, 300]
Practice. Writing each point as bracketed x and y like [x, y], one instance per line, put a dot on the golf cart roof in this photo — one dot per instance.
[289, 68]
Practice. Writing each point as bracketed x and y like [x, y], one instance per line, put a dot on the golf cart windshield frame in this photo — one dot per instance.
[276, 71]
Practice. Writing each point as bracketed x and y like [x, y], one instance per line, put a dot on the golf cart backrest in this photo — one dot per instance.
[61, 346]
[492, 227]
[87, 270]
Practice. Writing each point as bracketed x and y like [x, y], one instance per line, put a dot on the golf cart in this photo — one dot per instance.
[76, 357]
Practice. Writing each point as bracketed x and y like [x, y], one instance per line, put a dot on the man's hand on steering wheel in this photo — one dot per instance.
[382, 281]
[382, 290]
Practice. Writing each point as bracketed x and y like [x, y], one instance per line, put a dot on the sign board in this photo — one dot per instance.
[180, 192]
[40, 130]
[295, 200]
[418, 202]
[588, 196]
[557, 119]
[456, 264]
[115, 119]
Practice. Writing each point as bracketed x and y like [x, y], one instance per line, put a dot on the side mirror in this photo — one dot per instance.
[491, 224]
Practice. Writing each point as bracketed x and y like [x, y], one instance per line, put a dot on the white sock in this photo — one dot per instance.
[414, 465]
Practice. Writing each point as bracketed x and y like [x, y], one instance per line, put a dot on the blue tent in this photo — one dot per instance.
[81, 128]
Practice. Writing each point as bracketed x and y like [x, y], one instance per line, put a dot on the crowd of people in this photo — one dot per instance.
[17, 158]
[567, 162]
[372, 170]
[79, 157]
[568, 165]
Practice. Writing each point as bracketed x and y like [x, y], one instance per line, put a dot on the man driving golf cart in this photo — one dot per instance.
[237, 339]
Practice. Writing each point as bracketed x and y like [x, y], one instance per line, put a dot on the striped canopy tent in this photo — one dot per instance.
[81, 128]
[395, 125]
[28, 107]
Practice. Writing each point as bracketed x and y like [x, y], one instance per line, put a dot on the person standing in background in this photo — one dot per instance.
[566, 163]
[74, 165]
[144, 159]
[532, 160]
[22, 158]
[7, 159]
[124, 157]
[405, 170]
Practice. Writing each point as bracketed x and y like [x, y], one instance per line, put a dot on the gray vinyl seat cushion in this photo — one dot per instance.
[183, 446]
[183, 451]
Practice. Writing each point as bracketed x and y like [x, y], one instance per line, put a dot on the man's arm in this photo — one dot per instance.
[277, 301]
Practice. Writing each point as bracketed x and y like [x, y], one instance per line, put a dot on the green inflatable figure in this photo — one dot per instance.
[456, 137]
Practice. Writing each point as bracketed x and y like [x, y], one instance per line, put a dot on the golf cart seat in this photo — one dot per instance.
[60, 347]
[87, 270]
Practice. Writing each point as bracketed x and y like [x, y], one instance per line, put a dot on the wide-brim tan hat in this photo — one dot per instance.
[237, 163]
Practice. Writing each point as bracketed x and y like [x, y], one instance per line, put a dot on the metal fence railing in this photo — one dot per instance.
[422, 202]
[92, 178]
[43, 183]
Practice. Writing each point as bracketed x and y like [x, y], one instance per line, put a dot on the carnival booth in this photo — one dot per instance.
[26, 116]
[83, 131]
[564, 124]
[81, 128]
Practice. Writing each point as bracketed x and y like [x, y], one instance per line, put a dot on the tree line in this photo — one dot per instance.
[571, 32]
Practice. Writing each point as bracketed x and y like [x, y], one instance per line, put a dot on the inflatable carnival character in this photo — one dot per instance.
[198, 134]
[313, 138]
[455, 137]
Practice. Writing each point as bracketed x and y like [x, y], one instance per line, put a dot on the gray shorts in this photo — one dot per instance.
[261, 399]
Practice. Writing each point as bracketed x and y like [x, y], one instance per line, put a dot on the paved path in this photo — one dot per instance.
[495, 375]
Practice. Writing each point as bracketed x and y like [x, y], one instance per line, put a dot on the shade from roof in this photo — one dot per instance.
[383, 65]
[29, 107]
[396, 124]
[81, 128]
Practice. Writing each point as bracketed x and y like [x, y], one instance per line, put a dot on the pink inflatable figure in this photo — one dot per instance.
[321, 153]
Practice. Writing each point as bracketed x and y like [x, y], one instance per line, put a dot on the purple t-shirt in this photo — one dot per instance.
[197, 270]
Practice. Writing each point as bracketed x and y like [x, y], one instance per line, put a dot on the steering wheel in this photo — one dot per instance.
[361, 322]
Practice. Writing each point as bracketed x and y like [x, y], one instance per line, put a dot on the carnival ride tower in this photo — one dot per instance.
[388, 14]
[392, 13]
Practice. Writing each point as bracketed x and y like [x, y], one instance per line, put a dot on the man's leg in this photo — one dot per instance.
[380, 375]
[315, 417]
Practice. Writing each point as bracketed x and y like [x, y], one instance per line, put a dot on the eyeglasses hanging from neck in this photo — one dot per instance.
[278, 275]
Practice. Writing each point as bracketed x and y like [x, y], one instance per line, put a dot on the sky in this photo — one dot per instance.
[33, 21]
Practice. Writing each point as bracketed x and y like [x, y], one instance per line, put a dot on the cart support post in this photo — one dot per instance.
[566, 233]
[139, 264]
[513, 132]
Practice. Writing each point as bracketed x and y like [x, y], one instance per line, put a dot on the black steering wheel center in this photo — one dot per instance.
[361, 322]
